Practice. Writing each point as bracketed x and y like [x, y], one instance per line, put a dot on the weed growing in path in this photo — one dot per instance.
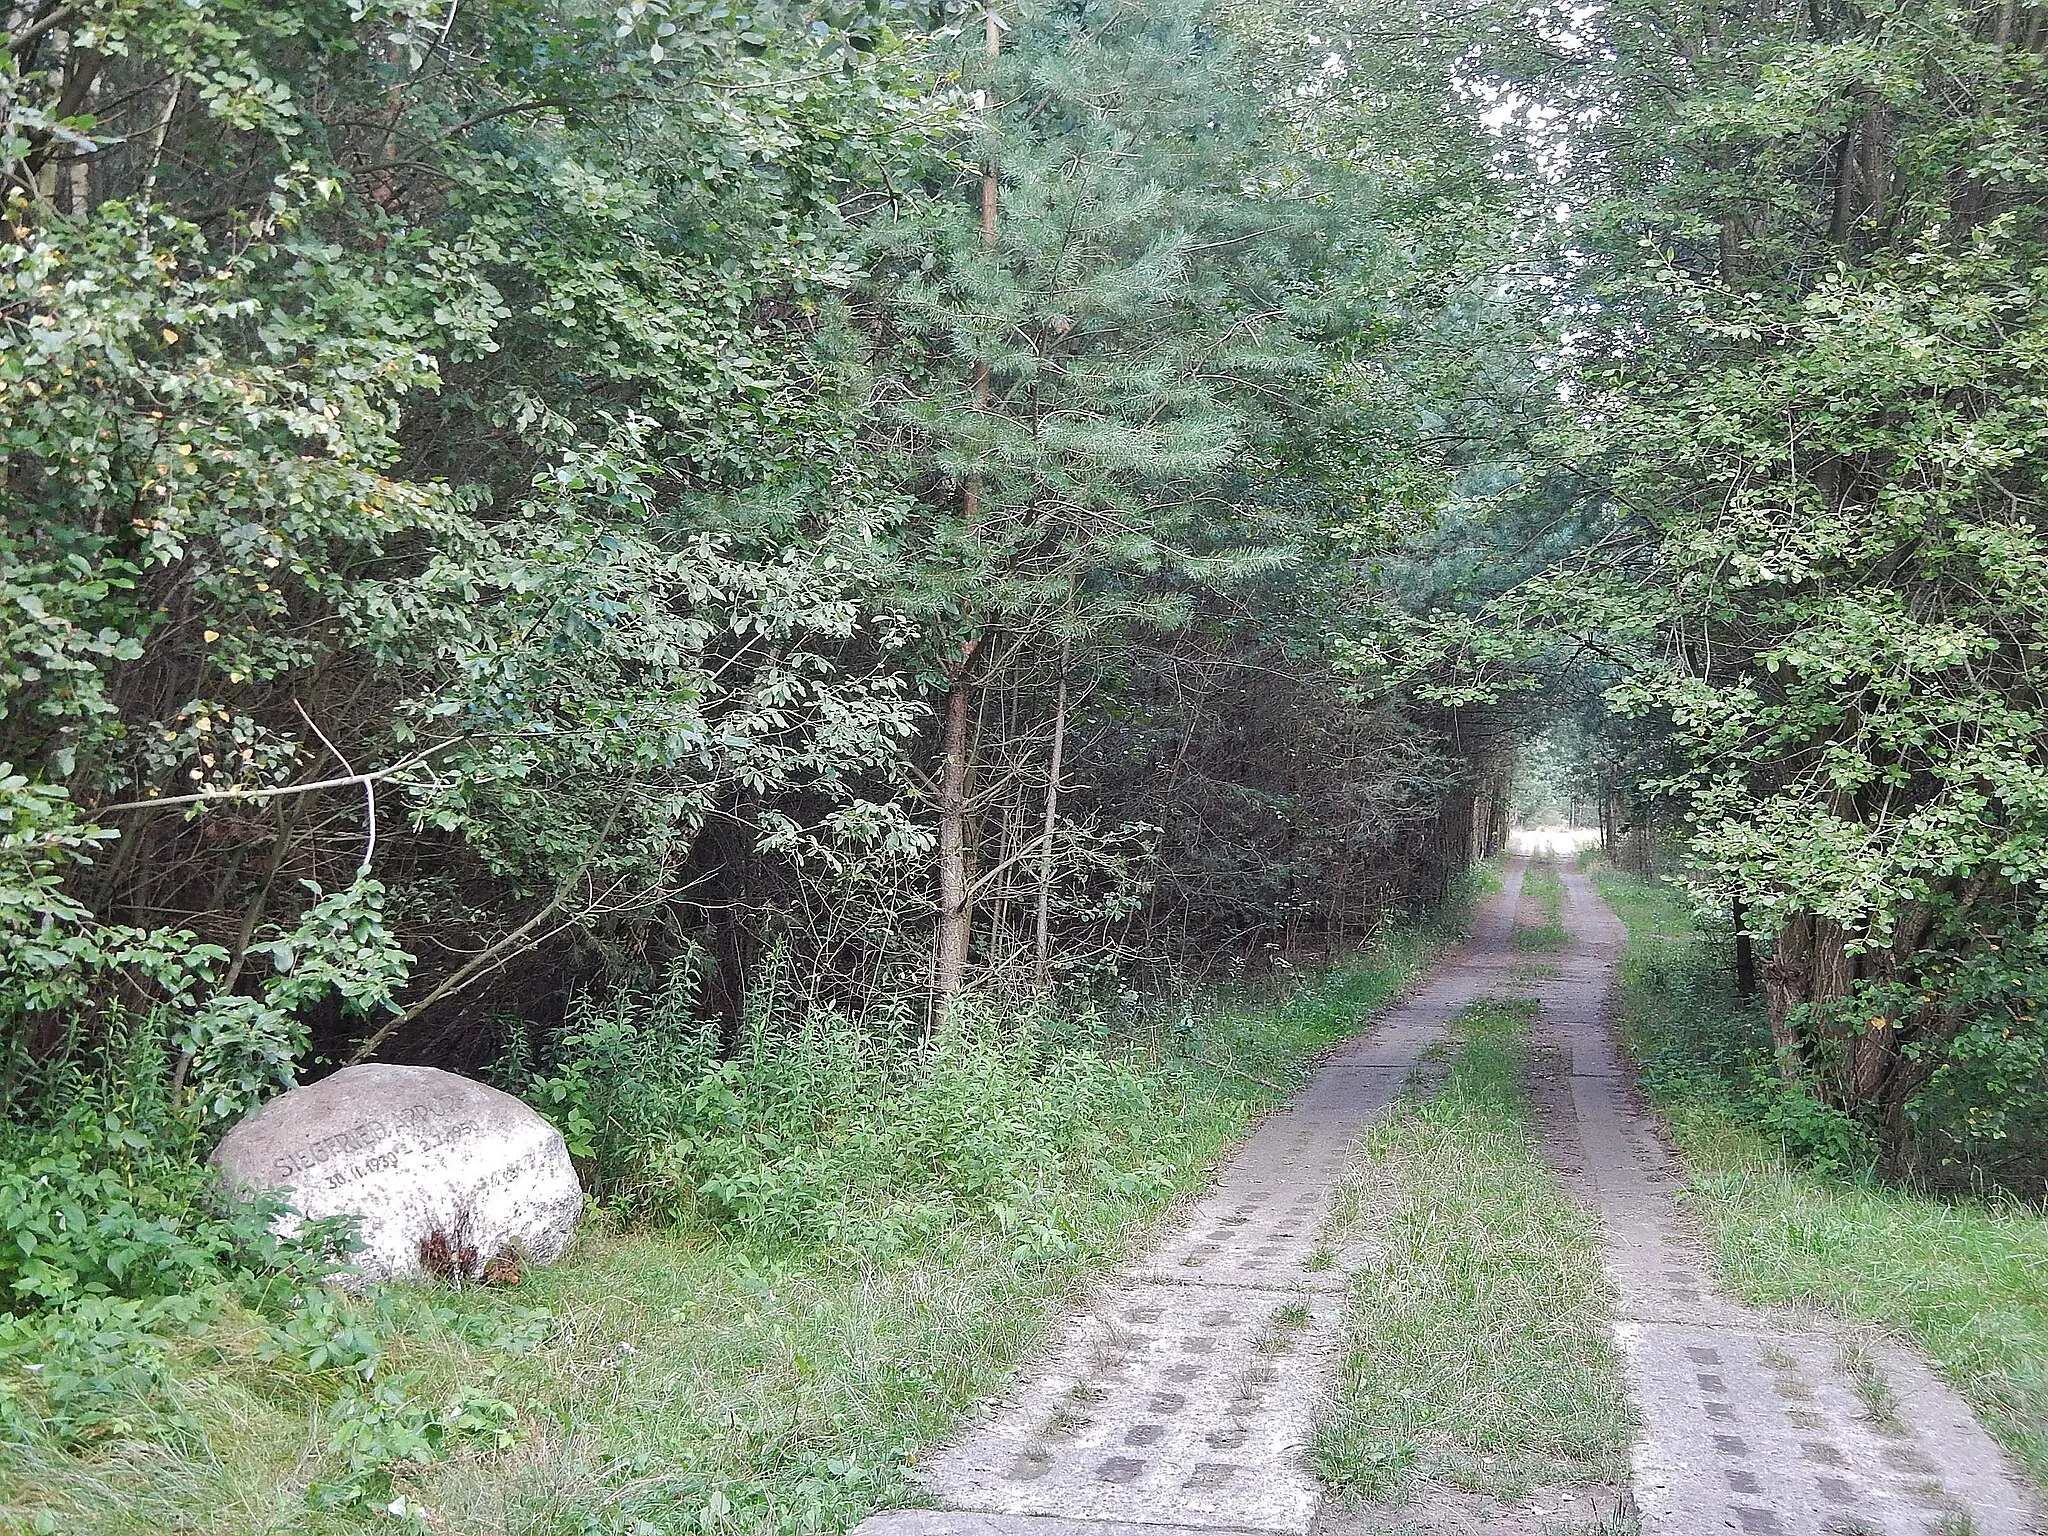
[1477, 1345]
[1541, 886]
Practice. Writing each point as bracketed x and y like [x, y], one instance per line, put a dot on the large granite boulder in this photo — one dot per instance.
[451, 1178]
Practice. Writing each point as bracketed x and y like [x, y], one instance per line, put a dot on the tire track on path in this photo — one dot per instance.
[1751, 1418]
[1182, 1397]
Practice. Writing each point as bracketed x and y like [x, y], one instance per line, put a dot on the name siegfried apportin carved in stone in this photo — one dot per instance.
[431, 1164]
[418, 1119]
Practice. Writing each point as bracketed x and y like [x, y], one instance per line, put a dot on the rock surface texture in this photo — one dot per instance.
[449, 1177]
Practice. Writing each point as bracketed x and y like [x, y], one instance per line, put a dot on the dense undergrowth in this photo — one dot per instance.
[805, 1256]
[1477, 1351]
[1791, 1199]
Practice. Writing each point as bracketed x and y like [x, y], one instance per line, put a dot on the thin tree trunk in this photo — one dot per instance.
[1845, 188]
[1043, 931]
[1787, 976]
[992, 45]
[1745, 955]
[1877, 173]
[951, 968]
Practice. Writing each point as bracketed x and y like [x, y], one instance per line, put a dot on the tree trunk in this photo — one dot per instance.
[956, 916]
[955, 919]
[1745, 956]
[1043, 933]
[1845, 188]
[1787, 976]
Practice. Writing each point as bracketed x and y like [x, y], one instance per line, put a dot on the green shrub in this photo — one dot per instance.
[877, 1136]
[620, 1080]
[111, 1195]
[824, 1135]
[94, 1369]
[116, 1238]
[829, 1131]
[385, 1426]
[1822, 1137]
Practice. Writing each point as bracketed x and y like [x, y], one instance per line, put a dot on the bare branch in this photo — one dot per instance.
[208, 796]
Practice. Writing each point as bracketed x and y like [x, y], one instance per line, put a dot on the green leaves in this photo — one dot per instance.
[452, 437]
[1123, 370]
[1803, 342]
[377, 1431]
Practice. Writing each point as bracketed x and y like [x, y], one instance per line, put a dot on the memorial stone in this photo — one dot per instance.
[449, 1178]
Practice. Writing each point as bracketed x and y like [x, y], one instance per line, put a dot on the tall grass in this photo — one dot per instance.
[813, 1253]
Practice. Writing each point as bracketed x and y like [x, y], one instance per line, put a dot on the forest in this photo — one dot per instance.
[806, 586]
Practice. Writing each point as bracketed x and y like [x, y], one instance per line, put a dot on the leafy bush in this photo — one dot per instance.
[619, 1080]
[824, 1135]
[69, 1230]
[92, 1370]
[116, 1238]
[879, 1136]
[385, 1426]
[1699, 1043]
[1822, 1137]
[111, 1196]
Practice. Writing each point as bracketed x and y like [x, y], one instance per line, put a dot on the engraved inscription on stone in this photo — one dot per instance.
[442, 1172]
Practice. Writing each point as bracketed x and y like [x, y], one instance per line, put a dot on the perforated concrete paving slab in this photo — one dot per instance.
[959, 1522]
[1183, 1397]
[1181, 1400]
[1751, 1419]
[1186, 1402]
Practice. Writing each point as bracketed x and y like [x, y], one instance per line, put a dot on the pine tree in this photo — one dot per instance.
[1088, 384]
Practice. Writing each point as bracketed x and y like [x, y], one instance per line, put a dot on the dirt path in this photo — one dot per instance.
[1752, 1420]
[1180, 1400]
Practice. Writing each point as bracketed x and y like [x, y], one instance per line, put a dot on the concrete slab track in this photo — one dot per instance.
[1751, 1418]
[1181, 1398]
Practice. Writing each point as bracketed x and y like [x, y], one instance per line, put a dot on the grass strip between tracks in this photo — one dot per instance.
[1477, 1347]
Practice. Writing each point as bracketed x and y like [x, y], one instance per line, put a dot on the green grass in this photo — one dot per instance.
[1541, 885]
[1476, 1338]
[1484, 879]
[669, 1379]
[1965, 1279]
